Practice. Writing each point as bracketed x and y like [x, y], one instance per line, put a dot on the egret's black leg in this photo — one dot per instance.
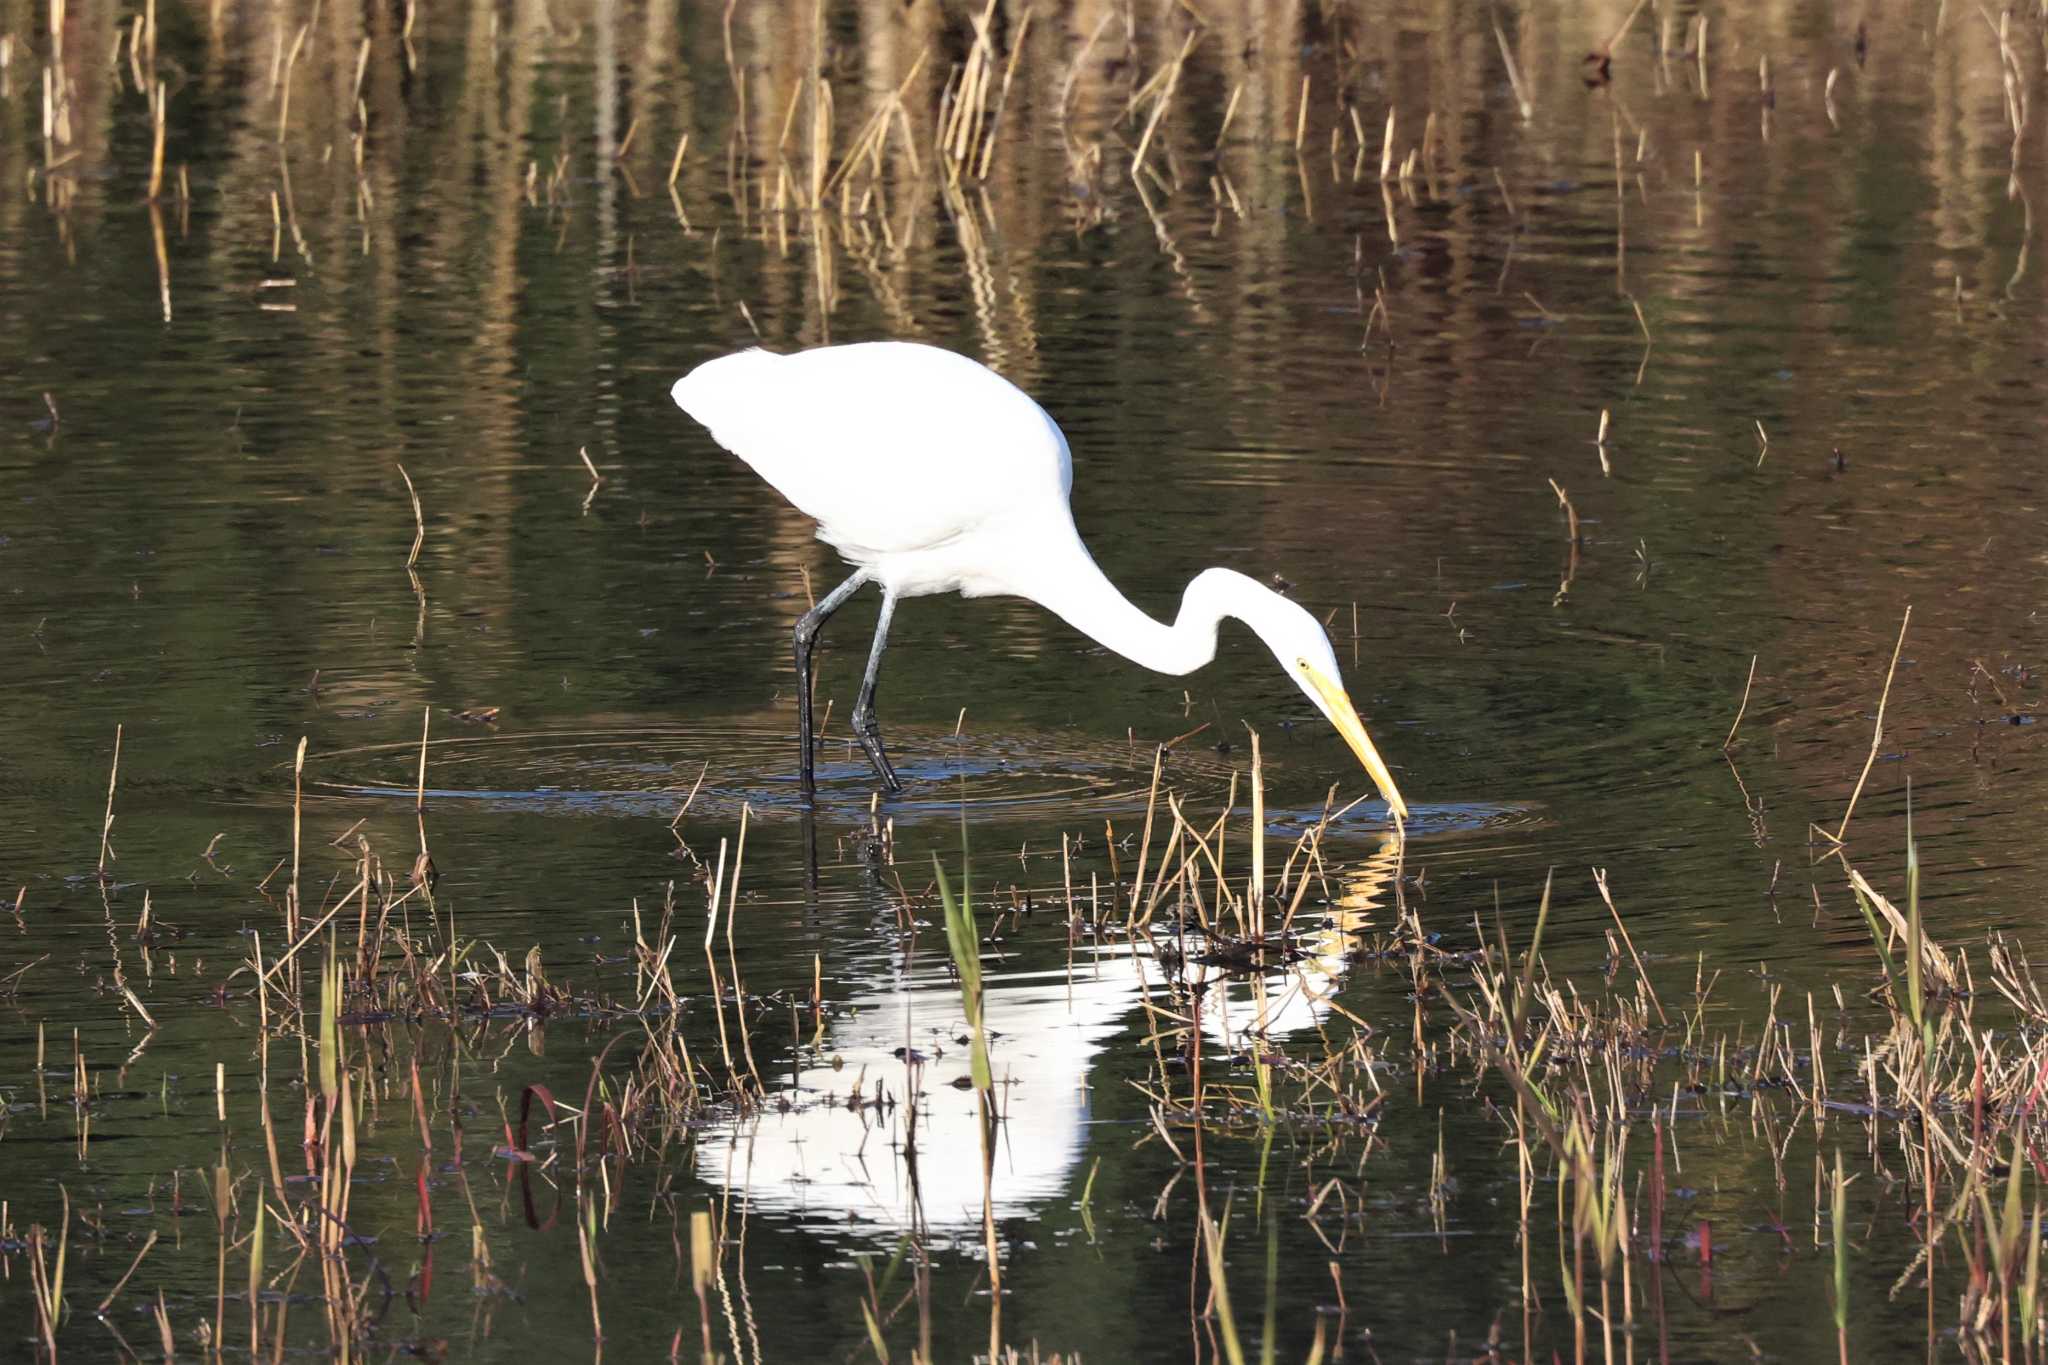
[805, 635]
[865, 727]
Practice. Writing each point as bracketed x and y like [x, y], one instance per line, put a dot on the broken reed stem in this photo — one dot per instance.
[1571, 514]
[1600, 881]
[1744, 706]
[685, 809]
[419, 520]
[1877, 730]
[1145, 842]
[107, 825]
[711, 961]
[732, 910]
[122, 1283]
[1606, 49]
[419, 799]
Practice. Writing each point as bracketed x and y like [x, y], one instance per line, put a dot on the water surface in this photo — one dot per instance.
[1805, 301]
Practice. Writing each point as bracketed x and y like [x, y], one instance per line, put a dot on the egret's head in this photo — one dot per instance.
[1298, 641]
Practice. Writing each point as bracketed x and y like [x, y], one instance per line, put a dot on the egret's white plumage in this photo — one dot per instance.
[932, 473]
[905, 455]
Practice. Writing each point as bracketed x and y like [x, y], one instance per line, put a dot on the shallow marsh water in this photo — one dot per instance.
[1828, 409]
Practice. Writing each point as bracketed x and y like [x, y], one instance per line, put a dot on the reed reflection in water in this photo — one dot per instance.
[879, 1140]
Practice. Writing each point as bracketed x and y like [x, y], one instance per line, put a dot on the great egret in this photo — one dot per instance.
[929, 473]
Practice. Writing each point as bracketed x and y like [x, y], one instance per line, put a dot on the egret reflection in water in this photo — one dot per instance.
[879, 1133]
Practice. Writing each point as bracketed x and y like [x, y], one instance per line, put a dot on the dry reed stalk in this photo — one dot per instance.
[1876, 733]
[1255, 892]
[685, 808]
[419, 799]
[1739, 710]
[1522, 100]
[122, 1283]
[988, 142]
[868, 143]
[1080, 60]
[1229, 113]
[710, 929]
[1301, 115]
[1160, 102]
[1642, 974]
[732, 907]
[47, 1283]
[1145, 840]
[1606, 49]
[107, 825]
[284, 96]
[157, 103]
[960, 130]
[419, 520]
[362, 68]
[135, 1003]
[703, 1253]
[821, 139]
[1571, 514]
[298, 805]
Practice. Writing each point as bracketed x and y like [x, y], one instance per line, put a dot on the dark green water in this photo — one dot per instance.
[207, 549]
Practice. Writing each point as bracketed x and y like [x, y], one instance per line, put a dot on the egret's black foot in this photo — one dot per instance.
[870, 736]
[892, 785]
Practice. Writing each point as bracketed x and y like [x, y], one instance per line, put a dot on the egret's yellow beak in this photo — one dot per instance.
[1345, 717]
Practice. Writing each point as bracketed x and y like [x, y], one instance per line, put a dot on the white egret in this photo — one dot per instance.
[931, 473]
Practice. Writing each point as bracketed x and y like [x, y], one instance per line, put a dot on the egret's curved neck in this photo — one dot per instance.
[1068, 583]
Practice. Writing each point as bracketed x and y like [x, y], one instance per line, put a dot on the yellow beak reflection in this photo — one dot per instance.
[1345, 717]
